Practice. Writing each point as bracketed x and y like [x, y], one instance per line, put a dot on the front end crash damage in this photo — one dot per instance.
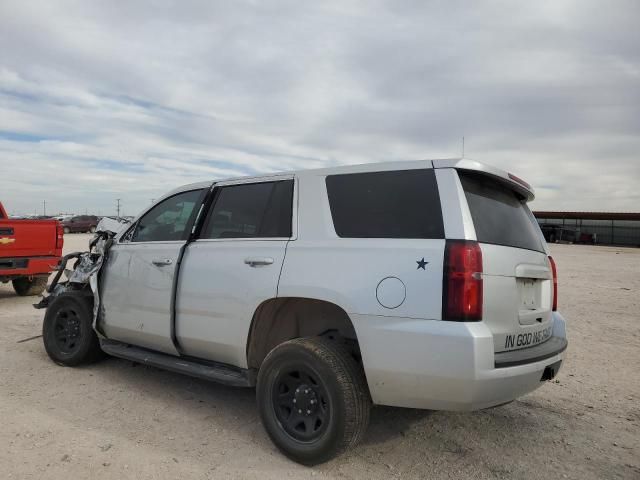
[84, 274]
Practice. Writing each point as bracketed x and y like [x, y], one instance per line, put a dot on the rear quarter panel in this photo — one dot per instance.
[349, 271]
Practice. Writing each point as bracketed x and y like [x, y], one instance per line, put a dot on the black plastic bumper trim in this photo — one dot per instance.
[13, 263]
[551, 347]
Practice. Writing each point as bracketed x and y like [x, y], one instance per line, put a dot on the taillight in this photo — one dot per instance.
[555, 284]
[59, 235]
[462, 281]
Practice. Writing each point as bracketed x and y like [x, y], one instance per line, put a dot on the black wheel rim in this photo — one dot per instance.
[301, 403]
[67, 331]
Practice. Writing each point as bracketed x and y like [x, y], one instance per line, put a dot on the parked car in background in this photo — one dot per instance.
[80, 224]
[30, 250]
[417, 284]
[559, 234]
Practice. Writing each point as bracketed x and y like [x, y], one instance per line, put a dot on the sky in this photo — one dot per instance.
[124, 99]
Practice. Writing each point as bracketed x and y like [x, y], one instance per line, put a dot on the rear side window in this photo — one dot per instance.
[499, 215]
[395, 204]
[253, 210]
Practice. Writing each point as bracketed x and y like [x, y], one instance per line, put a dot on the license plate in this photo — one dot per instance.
[528, 294]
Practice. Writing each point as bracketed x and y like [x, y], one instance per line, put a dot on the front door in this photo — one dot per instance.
[137, 284]
[233, 267]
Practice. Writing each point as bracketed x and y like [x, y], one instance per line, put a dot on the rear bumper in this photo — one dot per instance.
[24, 267]
[450, 365]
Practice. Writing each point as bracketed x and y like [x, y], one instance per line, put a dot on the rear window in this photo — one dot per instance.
[395, 204]
[499, 215]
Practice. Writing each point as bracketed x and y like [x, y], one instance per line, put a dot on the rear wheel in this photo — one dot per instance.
[92, 230]
[313, 399]
[25, 286]
[67, 330]
[67, 230]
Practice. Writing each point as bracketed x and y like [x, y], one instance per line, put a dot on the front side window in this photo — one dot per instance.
[394, 204]
[252, 210]
[170, 220]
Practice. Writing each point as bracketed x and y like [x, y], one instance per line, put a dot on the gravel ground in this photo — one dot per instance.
[114, 420]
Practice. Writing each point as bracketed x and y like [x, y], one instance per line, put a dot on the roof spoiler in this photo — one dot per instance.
[510, 180]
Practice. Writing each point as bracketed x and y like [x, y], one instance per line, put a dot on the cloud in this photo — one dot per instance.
[106, 100]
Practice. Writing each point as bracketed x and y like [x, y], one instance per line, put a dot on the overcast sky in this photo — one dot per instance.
[105, 100]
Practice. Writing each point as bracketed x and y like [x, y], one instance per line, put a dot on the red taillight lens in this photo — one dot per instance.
[462, 281]
[555, 284]
[59, 235]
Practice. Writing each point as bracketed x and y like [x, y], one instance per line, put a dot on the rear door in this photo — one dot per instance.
[517, 277]
[137, 283]
[233, 267]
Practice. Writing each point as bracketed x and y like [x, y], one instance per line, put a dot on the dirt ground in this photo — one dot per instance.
[114, 420]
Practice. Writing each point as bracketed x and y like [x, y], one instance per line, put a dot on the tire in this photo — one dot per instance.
[331, 389]
[67, 230]
[67, 330]
[92, 230]
[25, 286]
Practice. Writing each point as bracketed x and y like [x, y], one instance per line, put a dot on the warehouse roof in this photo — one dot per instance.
[590, 215]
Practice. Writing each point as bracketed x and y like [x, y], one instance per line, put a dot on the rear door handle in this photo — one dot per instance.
[162, 262]
[258, 261]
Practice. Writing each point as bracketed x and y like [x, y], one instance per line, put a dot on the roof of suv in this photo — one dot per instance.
[460, 163]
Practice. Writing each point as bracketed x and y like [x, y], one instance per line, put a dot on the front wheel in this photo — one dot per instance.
[313, 399]
[25, 286]
[67, 330]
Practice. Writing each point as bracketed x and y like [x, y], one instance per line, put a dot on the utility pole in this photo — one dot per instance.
[44, 208]
[118, 206]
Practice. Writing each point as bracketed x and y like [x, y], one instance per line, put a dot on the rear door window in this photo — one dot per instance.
[393, 204]
[500, 215]
[251, 210]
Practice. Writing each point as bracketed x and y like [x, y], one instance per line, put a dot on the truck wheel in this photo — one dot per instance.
[25, 286]
[67, 230]
[313, 399]
[67, 330]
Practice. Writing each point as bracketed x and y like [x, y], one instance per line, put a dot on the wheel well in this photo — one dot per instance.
[280, 319]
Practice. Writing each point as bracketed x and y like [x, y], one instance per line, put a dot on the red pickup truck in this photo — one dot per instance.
[29, 251]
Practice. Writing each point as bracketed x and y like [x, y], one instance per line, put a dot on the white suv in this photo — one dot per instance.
[423, 284]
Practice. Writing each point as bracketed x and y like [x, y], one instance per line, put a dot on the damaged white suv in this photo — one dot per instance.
[423, 284]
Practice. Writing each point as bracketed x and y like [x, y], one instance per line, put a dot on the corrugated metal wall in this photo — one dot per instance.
[607, 232]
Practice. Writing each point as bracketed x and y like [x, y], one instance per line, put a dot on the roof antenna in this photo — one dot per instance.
[463, 146]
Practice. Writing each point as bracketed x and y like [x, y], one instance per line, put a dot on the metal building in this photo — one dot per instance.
[602, 228]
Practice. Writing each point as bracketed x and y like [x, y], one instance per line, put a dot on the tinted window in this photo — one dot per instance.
[499, 215]
[170, 220]
[397, 204]
[251, 210]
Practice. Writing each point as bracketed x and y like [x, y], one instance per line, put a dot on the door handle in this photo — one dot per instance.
[258, 261]
[162, 262]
